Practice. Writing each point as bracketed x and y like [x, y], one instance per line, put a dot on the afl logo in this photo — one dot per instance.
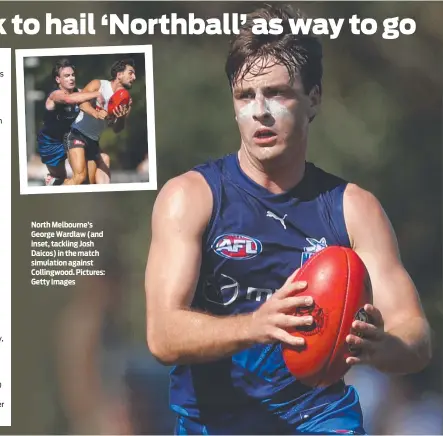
[237, 247]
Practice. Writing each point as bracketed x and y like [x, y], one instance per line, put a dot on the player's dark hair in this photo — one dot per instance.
[59, 65]
[300, 54]
[119, 66]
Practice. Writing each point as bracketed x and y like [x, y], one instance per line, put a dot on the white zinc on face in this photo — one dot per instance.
[272, 107]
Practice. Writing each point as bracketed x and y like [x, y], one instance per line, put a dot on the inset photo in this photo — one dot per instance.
[86, 119]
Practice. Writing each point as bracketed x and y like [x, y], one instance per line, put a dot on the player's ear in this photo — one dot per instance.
[314, 102]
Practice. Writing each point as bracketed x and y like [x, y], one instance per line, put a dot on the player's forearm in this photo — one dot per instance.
[74, 98]
[192, 337]
[407, 347]
[82, 97]
[87, 108]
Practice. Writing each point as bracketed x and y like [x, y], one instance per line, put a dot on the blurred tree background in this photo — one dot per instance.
[380, 126]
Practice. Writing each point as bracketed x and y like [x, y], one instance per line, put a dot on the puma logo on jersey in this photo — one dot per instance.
[273, 215]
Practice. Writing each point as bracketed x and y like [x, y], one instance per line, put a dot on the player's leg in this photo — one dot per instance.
[58, 170]
[93, 153]
[98, 170]
[75, 147]
[92, 169]
[77, 161]
[103, 174]
[56, 174]
[53, 155]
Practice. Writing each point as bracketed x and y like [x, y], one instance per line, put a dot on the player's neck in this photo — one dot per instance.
[116, 85]
[277, 175]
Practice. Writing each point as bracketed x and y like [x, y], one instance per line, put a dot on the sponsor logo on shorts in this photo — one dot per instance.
[237, 247]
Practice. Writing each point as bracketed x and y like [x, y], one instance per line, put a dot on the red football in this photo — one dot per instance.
[120, 97]
[339, 284]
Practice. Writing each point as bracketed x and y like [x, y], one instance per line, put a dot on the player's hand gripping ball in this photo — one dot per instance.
[339, 284]
[119, 103]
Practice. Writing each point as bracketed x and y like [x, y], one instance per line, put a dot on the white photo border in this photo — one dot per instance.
[21, 54]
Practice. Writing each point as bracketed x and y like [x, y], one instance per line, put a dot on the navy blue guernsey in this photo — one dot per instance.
[254, 241]
[57, 122]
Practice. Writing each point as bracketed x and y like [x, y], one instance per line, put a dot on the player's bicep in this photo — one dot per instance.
[374, 240]
[92, 86]
[172, 269]
[179, 218]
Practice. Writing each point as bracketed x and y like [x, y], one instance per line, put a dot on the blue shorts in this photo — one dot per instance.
[331, 418]
[189, 426]
[52, 152]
